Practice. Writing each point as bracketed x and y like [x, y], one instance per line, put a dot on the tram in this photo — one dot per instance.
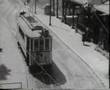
[34, 40]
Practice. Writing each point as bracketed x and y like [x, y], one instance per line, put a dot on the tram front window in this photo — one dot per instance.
[36, 44]
[41, 44]
[47, 44]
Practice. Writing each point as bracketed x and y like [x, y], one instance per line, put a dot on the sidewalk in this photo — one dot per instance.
[97, 62]
[12, 65]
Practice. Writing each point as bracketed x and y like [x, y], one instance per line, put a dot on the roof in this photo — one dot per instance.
[103, 8]
[96, 2]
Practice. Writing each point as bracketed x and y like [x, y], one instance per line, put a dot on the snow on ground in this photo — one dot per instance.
[11, 60]
[16, 66]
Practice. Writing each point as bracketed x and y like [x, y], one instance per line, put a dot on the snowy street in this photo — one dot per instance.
[69, 69]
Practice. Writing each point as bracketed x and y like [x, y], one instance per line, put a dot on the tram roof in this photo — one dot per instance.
[27, 31]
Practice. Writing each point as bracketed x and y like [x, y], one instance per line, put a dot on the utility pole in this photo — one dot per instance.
[35, 6]
[57, 8]
[53, 6]
[109, 71]
[63, 11]
[50, 13]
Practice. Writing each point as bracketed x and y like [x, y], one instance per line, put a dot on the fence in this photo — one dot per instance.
[14, 85]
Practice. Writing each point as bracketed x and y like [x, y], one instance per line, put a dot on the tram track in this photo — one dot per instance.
[81, 60]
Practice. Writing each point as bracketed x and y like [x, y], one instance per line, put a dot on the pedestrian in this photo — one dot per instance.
[0, 49]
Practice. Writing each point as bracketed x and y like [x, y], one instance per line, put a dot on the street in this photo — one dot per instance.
[68, 69]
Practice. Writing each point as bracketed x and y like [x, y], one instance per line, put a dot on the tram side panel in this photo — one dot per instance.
[21, 37]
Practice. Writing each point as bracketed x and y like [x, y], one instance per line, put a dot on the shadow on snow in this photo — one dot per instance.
[52, 75]
[4, 71]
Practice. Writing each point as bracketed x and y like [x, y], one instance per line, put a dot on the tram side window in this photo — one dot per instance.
[32, 46]
[21, 32]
